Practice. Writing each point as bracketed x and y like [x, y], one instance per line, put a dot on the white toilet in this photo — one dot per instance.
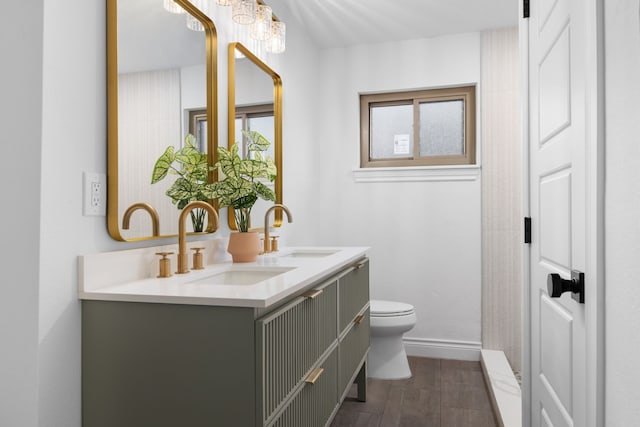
[389, 321]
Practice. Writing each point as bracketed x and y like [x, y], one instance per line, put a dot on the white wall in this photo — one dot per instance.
[424, 236]
[73, 141]
[622, 213]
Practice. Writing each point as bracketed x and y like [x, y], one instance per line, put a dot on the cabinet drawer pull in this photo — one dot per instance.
[311, 294]
[359, 265]
[313, 376]
[359, 318]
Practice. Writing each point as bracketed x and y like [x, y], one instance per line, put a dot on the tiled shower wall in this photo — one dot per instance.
[501, 194]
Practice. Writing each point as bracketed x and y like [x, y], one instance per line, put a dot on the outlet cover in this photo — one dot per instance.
[95, 194]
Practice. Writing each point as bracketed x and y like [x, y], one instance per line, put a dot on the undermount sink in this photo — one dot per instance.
[311, 253]
[235, 277]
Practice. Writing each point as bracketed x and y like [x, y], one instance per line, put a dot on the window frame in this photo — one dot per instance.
[466, 94]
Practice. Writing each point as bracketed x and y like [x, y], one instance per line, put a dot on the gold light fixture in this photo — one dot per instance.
[243, 11]
[276, 43]
[173, 7]
[261, 27]
[254, 23]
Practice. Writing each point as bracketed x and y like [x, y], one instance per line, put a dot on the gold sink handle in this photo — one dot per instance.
[197, 259]
[165, 264]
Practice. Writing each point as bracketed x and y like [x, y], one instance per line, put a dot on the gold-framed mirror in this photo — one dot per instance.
[255, 103]
[158, 72]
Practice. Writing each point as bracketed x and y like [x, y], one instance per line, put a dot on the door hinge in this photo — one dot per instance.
[527, 229]
[525, 8]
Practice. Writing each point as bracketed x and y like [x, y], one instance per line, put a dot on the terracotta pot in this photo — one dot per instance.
[244, 247]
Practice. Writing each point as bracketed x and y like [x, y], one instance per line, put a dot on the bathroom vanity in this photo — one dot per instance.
[273, 343]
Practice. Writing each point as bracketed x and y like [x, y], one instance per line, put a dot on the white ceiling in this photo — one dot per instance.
[337, 23]
[151, 38]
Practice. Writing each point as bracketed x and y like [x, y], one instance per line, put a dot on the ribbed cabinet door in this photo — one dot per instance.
[289, 342]
[353, 349]
[353, 292]
[313, 405]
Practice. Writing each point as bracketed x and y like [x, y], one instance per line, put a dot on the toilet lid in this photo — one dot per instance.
[389, 308]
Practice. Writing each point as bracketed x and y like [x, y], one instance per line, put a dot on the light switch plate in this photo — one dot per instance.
[95, 194]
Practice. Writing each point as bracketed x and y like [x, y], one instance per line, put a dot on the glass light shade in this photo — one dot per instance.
[173, 7]
[244, 11]
[241, 33]
[276, 44]
[261, 27]
[192, 23]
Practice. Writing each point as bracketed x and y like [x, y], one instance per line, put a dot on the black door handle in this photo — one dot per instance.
[556, 285]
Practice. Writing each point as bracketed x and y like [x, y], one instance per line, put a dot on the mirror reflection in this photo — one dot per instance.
[161, 88]
[255, 104]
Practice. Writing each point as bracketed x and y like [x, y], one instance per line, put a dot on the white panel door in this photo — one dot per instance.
[557, 134]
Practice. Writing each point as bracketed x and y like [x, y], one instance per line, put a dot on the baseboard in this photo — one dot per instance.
[504, 389]
[442, 349]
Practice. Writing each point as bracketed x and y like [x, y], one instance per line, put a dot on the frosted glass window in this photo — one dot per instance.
[391, 131]
[428, 127]
[442, 128]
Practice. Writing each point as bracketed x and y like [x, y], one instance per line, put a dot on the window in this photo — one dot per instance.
[256, 117]
[418, 128]
[198, 128]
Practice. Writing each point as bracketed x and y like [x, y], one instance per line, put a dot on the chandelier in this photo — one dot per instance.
[254, 22]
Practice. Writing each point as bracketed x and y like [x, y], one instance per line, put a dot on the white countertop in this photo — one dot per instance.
[130, 276]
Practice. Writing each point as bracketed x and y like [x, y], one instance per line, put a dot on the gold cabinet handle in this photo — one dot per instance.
[359, 318]
[313, 376]
[311, 294]
[359, 265]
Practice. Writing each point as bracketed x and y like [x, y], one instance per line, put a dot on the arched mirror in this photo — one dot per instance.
[255, 103]
[161, 75]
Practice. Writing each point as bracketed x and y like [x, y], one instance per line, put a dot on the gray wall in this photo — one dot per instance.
[622, 212]
[21, 125]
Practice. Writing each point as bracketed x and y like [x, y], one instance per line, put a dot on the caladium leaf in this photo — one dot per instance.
[245, 202]
[162, 165]
[257, 142]
[264, 192]
[181, 189]
[229, 161]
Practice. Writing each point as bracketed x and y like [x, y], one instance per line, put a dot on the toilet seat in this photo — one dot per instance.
[379, 308]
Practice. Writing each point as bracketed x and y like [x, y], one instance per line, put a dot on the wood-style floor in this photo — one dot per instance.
[441, 393]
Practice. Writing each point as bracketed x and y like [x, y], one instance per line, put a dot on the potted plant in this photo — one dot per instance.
[242, 182]
[192, 169]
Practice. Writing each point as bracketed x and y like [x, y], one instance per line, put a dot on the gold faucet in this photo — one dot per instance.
[267, 244]
[144, 206]
[183, 256]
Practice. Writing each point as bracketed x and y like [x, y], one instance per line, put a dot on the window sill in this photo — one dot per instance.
[417, 174]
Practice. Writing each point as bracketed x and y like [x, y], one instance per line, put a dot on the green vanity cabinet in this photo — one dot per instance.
[157, 364]
[290, 341]
[353, 293]
[354, 345]
[353, 297]
[315, 403]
